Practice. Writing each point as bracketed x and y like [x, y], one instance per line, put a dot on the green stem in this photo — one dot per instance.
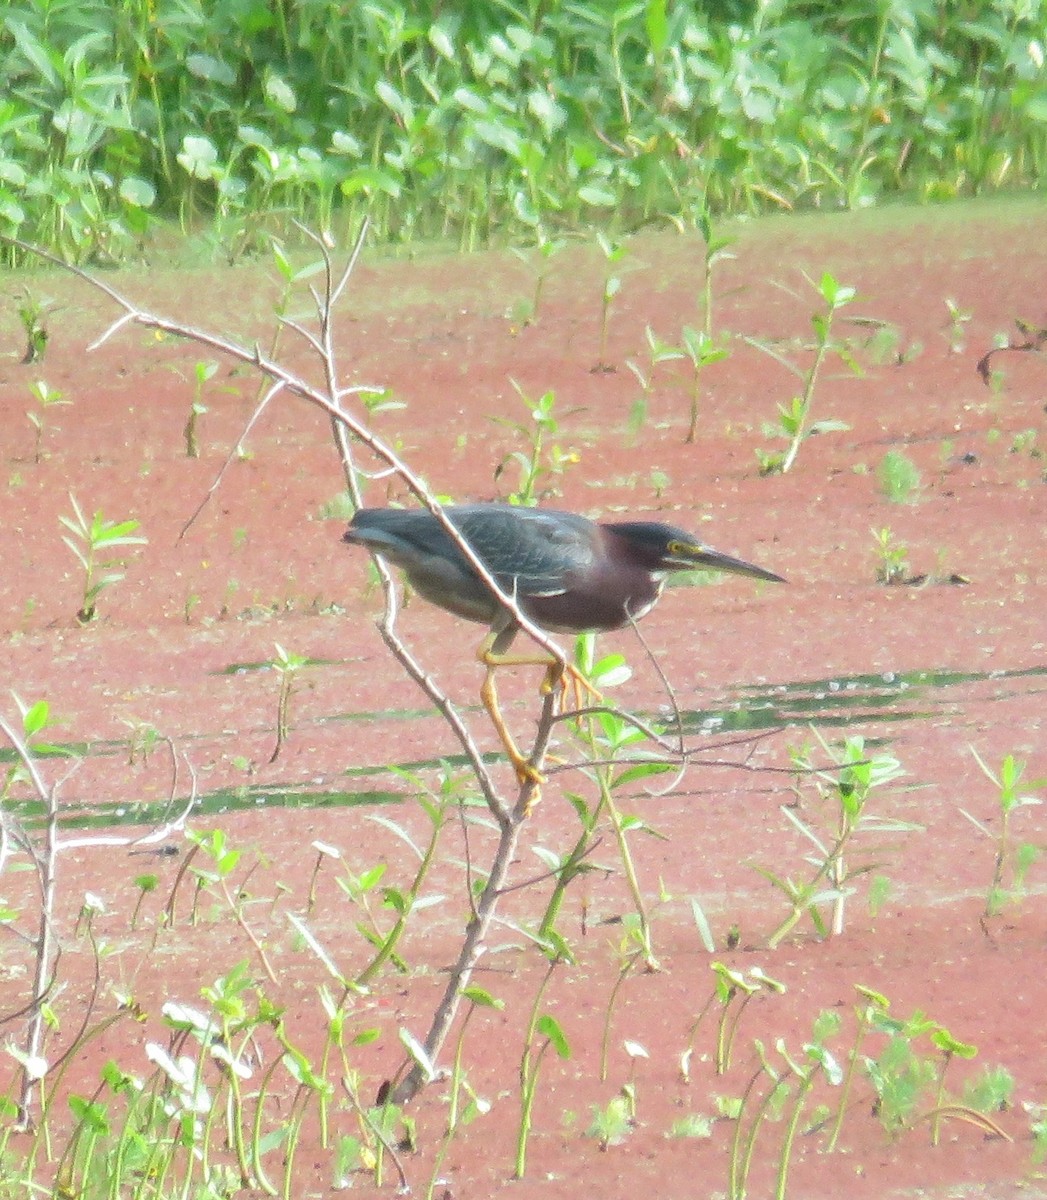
[808, 392]
[848, 1079]
[393, 937]
[806, 1083]
[529, 1068]
[740, 1171]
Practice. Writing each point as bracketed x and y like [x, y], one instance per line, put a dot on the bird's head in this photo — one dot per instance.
[665, 548]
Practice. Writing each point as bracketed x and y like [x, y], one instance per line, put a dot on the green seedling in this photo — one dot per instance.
[660, 482]
[1013, 859]
[543, 1031]
[730, 985]
[883, 347]
[341, 507]
[613, 253]
[692, 1125]
[359, 889]
[142, 741]
[46, 399]
[379, 400]
[902, 1078]
[404, 902]
[613, 1123]
[464, 1105]
[817, 1061]
[892, 558]
[541, 463]
[640, 407]
[899, 478]
[715, 252]
[842, 795]
[702, 352]
[324, 852]
[794, 420]
[146, 884]
[35, 719]
[215, 876]
[991, 1091]
[949, 1048]
[633, 947]
[906, 1080]
[1025, 443]
[743, 1144]
[92, 543]
[870, 1008]
[540, 259]
[605, 734]
[700, 349]
[786, 1098]
[287, 665]
[202, 372]
[31, 313]
[955, 331]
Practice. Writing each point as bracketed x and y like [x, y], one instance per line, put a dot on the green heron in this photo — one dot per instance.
[566, 573]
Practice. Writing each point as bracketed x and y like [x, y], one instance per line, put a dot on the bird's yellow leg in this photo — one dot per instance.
[557, 675]
[526, 772]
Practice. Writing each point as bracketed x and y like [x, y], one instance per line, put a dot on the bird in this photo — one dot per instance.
[566, 573]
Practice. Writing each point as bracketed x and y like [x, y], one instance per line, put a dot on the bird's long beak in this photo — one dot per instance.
[697, 555]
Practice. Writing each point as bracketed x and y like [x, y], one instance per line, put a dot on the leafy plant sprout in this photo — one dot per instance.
[794, 424]
[543, 1031]
[46, 399]
[1013, 860]
[729, 985]
[287, 665]
[202, 372]
[611, 1125]
[93, 542]
[31, 313]
[613, 253]
[955, 332]
[703, 352]
[892, 558]
[540, 464]
[700, 349]
[715, 251]
[843, 791]
[899, 478]
[540, 258]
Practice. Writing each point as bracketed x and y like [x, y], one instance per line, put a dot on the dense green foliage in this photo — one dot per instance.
[504, 119]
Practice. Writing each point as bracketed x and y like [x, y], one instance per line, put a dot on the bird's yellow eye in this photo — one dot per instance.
[676, 547]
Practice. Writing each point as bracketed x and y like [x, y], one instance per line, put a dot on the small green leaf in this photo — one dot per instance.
[36, 718]
[549, 1027]
[481, 998]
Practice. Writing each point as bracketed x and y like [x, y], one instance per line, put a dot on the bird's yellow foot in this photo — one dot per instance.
[567, 677]
[527, 772]
[529, 777]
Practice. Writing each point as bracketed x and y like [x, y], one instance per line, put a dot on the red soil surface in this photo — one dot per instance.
[260, 567]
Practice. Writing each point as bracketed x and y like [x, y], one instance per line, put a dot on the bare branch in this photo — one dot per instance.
[234, 451]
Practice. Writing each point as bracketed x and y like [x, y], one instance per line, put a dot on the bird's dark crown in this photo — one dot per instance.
[654, 539]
